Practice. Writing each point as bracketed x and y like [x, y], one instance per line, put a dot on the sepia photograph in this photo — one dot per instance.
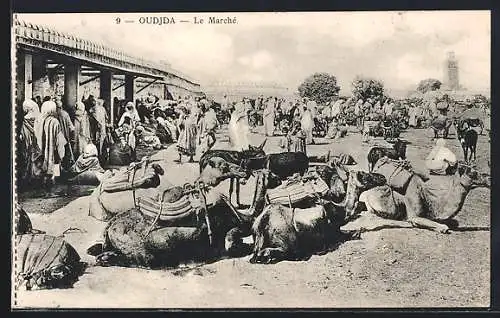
[251, 160]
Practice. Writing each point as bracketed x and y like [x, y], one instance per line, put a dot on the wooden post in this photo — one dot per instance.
[24, 81]
[106, 85]
[129, 88]
[71, 84]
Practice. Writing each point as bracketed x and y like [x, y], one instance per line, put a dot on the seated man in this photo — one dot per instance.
[441, 160]
[86, 169]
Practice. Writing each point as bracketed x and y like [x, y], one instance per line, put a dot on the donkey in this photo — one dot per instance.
[234, 157]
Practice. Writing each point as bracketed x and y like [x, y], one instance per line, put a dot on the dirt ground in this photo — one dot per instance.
[388, 268]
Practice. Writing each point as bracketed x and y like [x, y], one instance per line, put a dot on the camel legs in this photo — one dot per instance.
[238, 203]
[370, 222]
[269, 255]
[231, 189]
[429, 224]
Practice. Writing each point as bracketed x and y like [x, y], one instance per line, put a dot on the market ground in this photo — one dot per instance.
[388, 268]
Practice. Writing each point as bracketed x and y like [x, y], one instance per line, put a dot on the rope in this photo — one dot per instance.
[133, 189]
[209, 228]
[156, 218]
[73, 229]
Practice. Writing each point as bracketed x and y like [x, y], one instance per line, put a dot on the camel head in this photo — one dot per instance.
[471, 178]
[158, 169]
[218, 170]
[336, 179]
[358, 182]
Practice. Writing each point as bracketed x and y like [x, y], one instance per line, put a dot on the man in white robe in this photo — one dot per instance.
[238, 128]
[307, 124]
[441, 160]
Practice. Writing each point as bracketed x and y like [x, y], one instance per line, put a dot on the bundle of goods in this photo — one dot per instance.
[297, 189]
[46, 261]
[397, 172]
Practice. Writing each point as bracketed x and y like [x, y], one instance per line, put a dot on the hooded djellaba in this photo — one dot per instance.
[186, 144]
[51, 141]
[98, 119]
[28, 147]
[69, 133]
[82, 129]
[307, 122]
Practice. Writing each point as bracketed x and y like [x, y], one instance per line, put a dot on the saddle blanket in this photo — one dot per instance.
[294, 191]
[169, 211]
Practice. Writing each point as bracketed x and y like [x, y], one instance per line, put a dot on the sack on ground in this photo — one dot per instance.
[46, 261]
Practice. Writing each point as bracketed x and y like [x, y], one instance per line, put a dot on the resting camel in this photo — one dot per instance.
[286, 233]
[430, 205]
[119, 194]
[200, 233]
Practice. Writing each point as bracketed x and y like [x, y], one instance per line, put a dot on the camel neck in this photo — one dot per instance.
[451, 203]
[258, 201]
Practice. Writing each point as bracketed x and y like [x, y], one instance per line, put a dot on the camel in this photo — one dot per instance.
[429, 205]
[286, 233]
[217, 229]
[119, 194]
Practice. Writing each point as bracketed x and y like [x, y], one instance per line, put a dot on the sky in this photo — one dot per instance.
[398, 48]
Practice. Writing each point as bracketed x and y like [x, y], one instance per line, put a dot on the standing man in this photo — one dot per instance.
[238, 128]
[358, 112]
[51, 142]
[68, 130]
[388, 107]
[208, 126]
[268, 117]
[99, 116]
[307, 124]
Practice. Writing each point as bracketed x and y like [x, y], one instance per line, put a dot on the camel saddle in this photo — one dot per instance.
[397, 172]
[297, 189]
[184, 206]
[129, 178]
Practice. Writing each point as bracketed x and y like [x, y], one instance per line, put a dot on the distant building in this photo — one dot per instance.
[235, 91]
[451, 78]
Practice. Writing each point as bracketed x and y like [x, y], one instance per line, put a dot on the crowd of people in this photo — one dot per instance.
[296, 120]
[57, 141]
[54, 140]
